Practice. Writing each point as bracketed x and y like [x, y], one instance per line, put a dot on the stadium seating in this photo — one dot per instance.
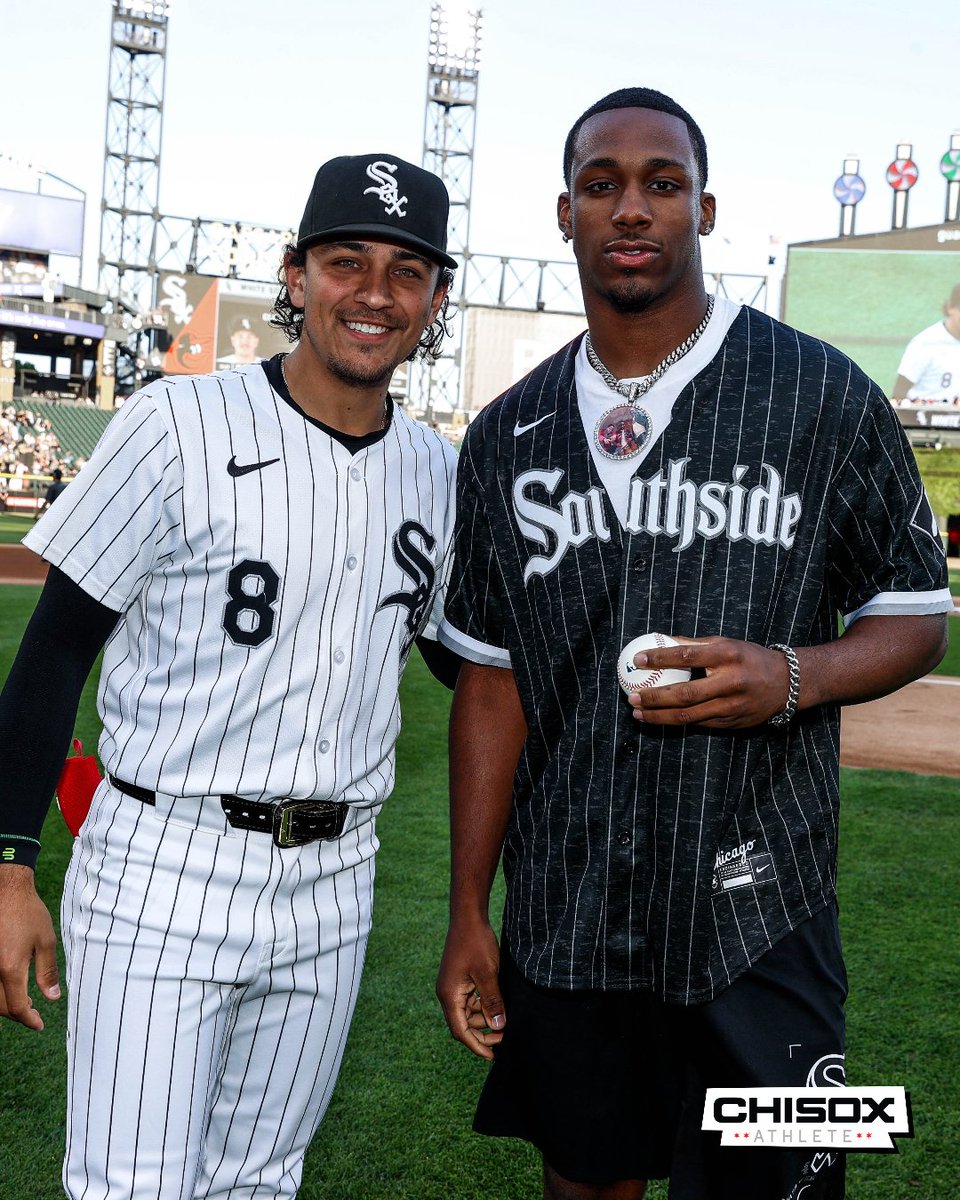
[77, 426]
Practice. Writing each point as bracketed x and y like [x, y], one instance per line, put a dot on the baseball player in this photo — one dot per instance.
[930, 367]
[244, 341]
[259, 549]
[670, 860]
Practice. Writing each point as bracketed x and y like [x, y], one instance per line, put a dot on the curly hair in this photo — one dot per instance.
[289, 318]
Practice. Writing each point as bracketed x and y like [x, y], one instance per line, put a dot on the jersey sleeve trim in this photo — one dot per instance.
[903, 604]
[474, 651]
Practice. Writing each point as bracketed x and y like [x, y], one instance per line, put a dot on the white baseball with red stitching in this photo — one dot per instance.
[634, 679]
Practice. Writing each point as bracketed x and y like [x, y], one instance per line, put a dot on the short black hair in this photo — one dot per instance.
[639, 97]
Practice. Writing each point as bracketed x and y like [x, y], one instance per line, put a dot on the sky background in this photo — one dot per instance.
[258, 95]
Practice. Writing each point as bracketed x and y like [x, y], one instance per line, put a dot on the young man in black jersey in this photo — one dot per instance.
[670, 859]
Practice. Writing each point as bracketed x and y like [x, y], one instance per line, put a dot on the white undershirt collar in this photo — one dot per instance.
[595, 398]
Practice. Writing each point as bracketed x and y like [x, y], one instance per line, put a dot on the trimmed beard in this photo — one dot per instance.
[353, 376]
[626, 298]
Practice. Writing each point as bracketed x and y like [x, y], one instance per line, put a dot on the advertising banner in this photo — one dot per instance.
[214, 324]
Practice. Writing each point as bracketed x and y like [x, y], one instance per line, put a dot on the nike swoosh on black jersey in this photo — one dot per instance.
[234, 468]
[519, 429]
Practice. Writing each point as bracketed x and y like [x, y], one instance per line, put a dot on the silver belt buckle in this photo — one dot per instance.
[324, 820]
[285, 821]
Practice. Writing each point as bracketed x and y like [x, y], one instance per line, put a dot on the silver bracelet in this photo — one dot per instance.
[789, 711]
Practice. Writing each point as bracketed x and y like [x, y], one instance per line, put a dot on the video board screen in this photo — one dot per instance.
[869, 303]
[46, 224]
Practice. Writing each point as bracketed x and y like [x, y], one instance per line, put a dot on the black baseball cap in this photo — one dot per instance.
[378, 196]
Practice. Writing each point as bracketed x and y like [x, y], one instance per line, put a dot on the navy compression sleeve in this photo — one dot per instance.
[38, 707]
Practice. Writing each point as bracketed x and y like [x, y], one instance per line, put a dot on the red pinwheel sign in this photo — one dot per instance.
[902, 174]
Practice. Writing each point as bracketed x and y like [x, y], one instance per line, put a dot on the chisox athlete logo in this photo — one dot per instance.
[838, 1118]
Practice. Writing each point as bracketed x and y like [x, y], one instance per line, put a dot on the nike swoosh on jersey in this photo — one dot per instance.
[236, 470]
[518, 429]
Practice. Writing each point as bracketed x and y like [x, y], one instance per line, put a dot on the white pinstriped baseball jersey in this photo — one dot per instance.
[781, 493]
[284, 623]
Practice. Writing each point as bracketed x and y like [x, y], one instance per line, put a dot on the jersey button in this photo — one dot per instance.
[324, 746]
[624, 838]
[339, 657]
[354, 473]
[351, 563]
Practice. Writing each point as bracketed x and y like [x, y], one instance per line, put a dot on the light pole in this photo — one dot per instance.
[448, 138]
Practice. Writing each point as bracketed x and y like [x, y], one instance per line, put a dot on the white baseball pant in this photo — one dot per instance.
[211, 982]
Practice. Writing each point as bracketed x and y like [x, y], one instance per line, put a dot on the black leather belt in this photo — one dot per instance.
[289, 822]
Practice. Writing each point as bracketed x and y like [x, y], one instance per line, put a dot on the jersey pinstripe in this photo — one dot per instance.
[781, 493]
[283, 625]
[223, 974]
[271, 581]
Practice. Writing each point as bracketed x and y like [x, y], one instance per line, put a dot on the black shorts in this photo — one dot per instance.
[610, 1085]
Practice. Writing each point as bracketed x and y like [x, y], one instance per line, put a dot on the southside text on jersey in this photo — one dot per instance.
[665, 504]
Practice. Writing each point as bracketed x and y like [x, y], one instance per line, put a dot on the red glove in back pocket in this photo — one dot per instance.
[78, 781]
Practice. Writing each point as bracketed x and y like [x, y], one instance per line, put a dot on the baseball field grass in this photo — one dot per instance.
[14, 526]
[399, 1124]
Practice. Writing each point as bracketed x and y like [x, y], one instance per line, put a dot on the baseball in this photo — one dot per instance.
[633, 679]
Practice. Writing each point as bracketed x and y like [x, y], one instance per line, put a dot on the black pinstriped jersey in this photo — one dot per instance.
[781, 494]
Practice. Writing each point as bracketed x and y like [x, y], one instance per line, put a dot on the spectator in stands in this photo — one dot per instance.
[27, 443]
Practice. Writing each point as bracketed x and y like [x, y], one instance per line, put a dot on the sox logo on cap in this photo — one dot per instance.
[388, 191]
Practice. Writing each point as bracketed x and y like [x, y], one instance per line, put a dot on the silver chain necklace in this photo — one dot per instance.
[625, 429]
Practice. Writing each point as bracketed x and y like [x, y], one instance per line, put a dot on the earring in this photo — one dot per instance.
[707, 229]
[566, 236]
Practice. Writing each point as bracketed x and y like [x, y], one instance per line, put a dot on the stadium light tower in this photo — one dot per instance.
[451, 113]
[448, 141]
[131, 166]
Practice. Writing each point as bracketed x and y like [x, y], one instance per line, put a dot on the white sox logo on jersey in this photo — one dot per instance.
[666, 504]
[382, 174]
[418, 567]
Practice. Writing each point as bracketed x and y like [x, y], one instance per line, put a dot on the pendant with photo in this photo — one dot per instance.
[622, 432]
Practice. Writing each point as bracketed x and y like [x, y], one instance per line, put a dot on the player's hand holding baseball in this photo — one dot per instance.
[735, 685]
[26, 933]
[468, 988]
